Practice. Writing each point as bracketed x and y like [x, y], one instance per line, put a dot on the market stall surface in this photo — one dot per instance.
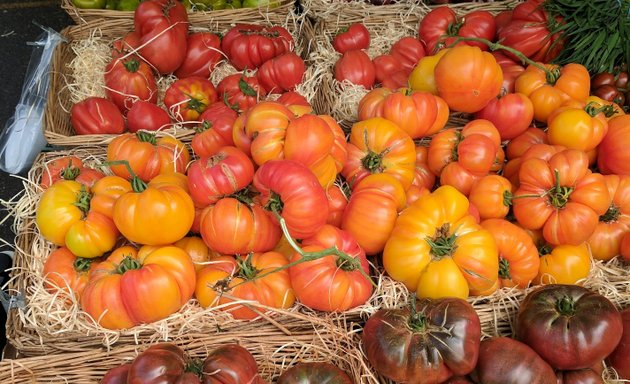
[19, 24]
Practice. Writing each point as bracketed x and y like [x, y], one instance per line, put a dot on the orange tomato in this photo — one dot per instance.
[64, 271]
[492, 196]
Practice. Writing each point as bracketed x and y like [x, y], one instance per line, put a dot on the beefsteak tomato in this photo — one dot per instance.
[248, 46]
[147, 117]
[314, 373]
[203, 53]
[215, 131]
[281, 73]
[357, 68]
[186, 99]
[240, 92]
[64, 271]
[96, 116]
[128, 80]
[441, 27]
[620, 357]
[356, 36]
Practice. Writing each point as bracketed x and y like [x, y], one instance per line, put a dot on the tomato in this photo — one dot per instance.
[624, 247]
[165, 363]
[511, 70]
[384, 66]
[238, 226]
[106, 192]
[417, 113]
[314, 373]
[69, 168]
[147, 116]
[377, 145]
[129, 80]
[518, 256]
[423, 177]
[511, 114]
[492, 195]
[296, 103]
[300, 200]
[198, 251]
[117, 375]
[230, 364]
[95, 116]
[186, 99]
[507, 361]
[224, 173]
[530, 32]
[407, 51]
[441, 27]
[282, 73]
[148, 156]
[356, 36]
[240, 91]
[252, 279]
[203, 53]
[549, 89]
[521, 143]
[337, 202]
[563, 264]
[163, 27]
[581, 376]
[619, 358]
[428, 342]
[615, 223]
[568, 325]
[215, 131]
[372, 210]
[154, 214]
[64, 271]
[430, 249]
[64, 218]
[140, 286]
[468, 78]
[260, 132]
[422, 77]
[356, 68]
[126, 44]
[575, 127]
[248, 46]
[340, 285]
[557, 194]
[613, 156]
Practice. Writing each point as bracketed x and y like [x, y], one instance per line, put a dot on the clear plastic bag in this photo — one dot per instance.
[23, 135]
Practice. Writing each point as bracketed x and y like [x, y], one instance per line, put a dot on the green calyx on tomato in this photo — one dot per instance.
[245, 196]
[137, 184]
[83, 200]
[592, 109]
[246, 270]
[132, 65]
[196, 105]
[373, 162]
[611, 215]
[275, 203]
[566, 306]
[82, 264]
[128, 264]
[203, 126]
[70, 172]
[147, 137]
[90, 4]
[246, 88]
[442, 244]
[559, 195]
[418, 321]
[504, 269]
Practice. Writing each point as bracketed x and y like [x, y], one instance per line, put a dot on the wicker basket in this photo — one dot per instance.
[78, 66]
[245, 15]
[273, 350]
[385, 23]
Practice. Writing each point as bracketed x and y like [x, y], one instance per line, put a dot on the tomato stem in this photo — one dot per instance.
[507, 198]
[275, 203]
[132, 65]
[70, 172]
[128, 264]
[566, 306]
[82, 264]
[196, 104]
[559, 195]
[551, 75]
[195, 366]
[204, 126]
[611, 215]
[245, 196]
[147, 137]
[418, 320]
[592, 109]
[246, 270]
[83, 200]
[504, 269]
[442, 243]
[137, 185]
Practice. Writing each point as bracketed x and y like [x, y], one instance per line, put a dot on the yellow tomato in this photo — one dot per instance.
[564, 264]
[422, 77]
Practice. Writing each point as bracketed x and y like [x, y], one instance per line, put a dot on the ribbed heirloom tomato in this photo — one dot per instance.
[140, 286]
[561, 196]
[282, 73]
[613, 155]
[240, 91]
[356, 36]
[578, 126]
[64, 271]
[563, 264]
[441, 27]
[69, 168]
[357, 68]
[492, 195]
[248, 46]
[437, 249]
[215, 131]
[186, 99]
[203, 53]
[129, 80]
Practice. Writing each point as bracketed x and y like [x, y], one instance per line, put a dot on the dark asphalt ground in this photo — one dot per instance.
[17, 27]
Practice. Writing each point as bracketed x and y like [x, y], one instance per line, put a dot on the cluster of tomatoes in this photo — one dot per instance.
[563, 334]
[227, 364]
[161, 45]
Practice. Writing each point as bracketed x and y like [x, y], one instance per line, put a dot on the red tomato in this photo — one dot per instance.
[249, 46]
[613, 154]
[385, 66]
[63, 270]
[296, 103]
[340, 285]
[215, 131]
[203, 53]
[357, 68]
[186, 99]
[511, 70]
[398, 79]
[620, 358]
[224, 173]
[147, 116]
[299, 199]
[69, 168]
[129, 80]
[356, 36]
[408, 51]
[511, 114]
[239, 91]
[96, 116]
[163, 27]
[337, 202]
[281, 73]
[126, 44]
[441, 27]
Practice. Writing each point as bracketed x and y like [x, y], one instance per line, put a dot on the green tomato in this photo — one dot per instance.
[260, 3]
[128, 5]
[111, 4]
[233, 4]
[89, 4]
